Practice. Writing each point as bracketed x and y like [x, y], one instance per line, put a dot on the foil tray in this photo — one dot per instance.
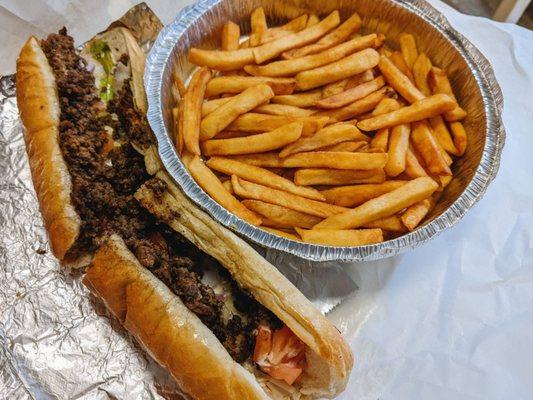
[470, 73]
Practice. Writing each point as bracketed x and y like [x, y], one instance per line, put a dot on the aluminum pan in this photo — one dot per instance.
[470, 73]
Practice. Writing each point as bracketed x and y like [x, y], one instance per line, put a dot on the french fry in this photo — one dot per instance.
[192, 109]
[383, 206]
[416, 213]
[179, 86]
[409, 50]
[424, 142]
[303, 99]
[439, 83]
[444, 181]
[211, 105]
[334, 88]
[336, 160]
[266, 160]
[292, 67]
[345, 146]
[224, 115]
[232, 134]
[460, 138]
[351, 95]
[253, 122]
[262, 176]
[249, 190]
[208, 181]
[358, 107]
[237, 84]
[341, 237]
[231, 34]
[273, 49]
[262, 142]
[320, 176]
[283, 109]
[398, 146]
[281, 217]
[399, 81]
[343, 68]
[282, 233]
[422, 109]
[336, 36]
[359, 79]
[413, 168]
[390, 224]
[443, 134]
[259, 26]
[421, 69]
[227, 185]
[312, 20]
[329, 135]
[221, 60]
[397, 59]
[354, 195]
[178, 127]
[295, 25]
[380, 141]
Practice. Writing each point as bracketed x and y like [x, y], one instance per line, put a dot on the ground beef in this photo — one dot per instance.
[103, 185]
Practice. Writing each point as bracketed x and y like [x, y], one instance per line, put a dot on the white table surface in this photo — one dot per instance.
[452, 319]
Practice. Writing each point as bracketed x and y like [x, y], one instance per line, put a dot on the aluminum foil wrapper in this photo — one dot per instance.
[470, 73]
[57, 341]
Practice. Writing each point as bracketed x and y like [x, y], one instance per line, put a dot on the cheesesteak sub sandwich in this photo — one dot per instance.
[222, 320]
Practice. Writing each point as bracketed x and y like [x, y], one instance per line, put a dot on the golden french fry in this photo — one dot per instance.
[334, 88]
[336, 160]
[232, 134]
[354, 195]
[413, 168]
[398, 146]
[345, 146]
[359, 79]
[460, 138]
[424, 142]
[343, 68]
[292, 67]
[231, 34]
[249, 190]
[282, 233]
[261, 176]
[273, 49]
[398, 60]
[227, 185]
[390, 224]
[421, 69]
[267, 160]
[329, 135]
[312, 20]
[211, 105]
[295, 25]
[380, 141]
[221, 60]
[303, 99]
[237, 84]
[192, 109]
[443, 134]
[358, 107]
[281, 217]
[259, 26]
[208, 181]
[283, 109]
[262, 142]
[351, 95]
[416, 213]
[320, 176]
[336, 36]
[399, 81]
[439, 83]
[224, 115]
[341, 237]
[409, 50]
[419, 110]
[178, 127]
[445, 181]
[383, 206]
[253, 122]
[179, 86]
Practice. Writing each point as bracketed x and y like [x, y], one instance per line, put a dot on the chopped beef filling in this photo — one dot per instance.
[103, 185]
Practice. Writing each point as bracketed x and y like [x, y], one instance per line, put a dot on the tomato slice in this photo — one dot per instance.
[285, 372]
[263, 344]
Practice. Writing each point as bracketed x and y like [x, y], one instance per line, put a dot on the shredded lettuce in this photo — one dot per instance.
[102, 53]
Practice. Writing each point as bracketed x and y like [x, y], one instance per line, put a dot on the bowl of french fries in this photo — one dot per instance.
[333, 131]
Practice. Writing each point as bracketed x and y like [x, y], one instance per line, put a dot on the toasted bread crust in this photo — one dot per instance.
[38, 104]
[171, 333]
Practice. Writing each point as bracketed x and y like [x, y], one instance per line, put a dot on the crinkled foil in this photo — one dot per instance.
[470, 73]
[57, 341]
